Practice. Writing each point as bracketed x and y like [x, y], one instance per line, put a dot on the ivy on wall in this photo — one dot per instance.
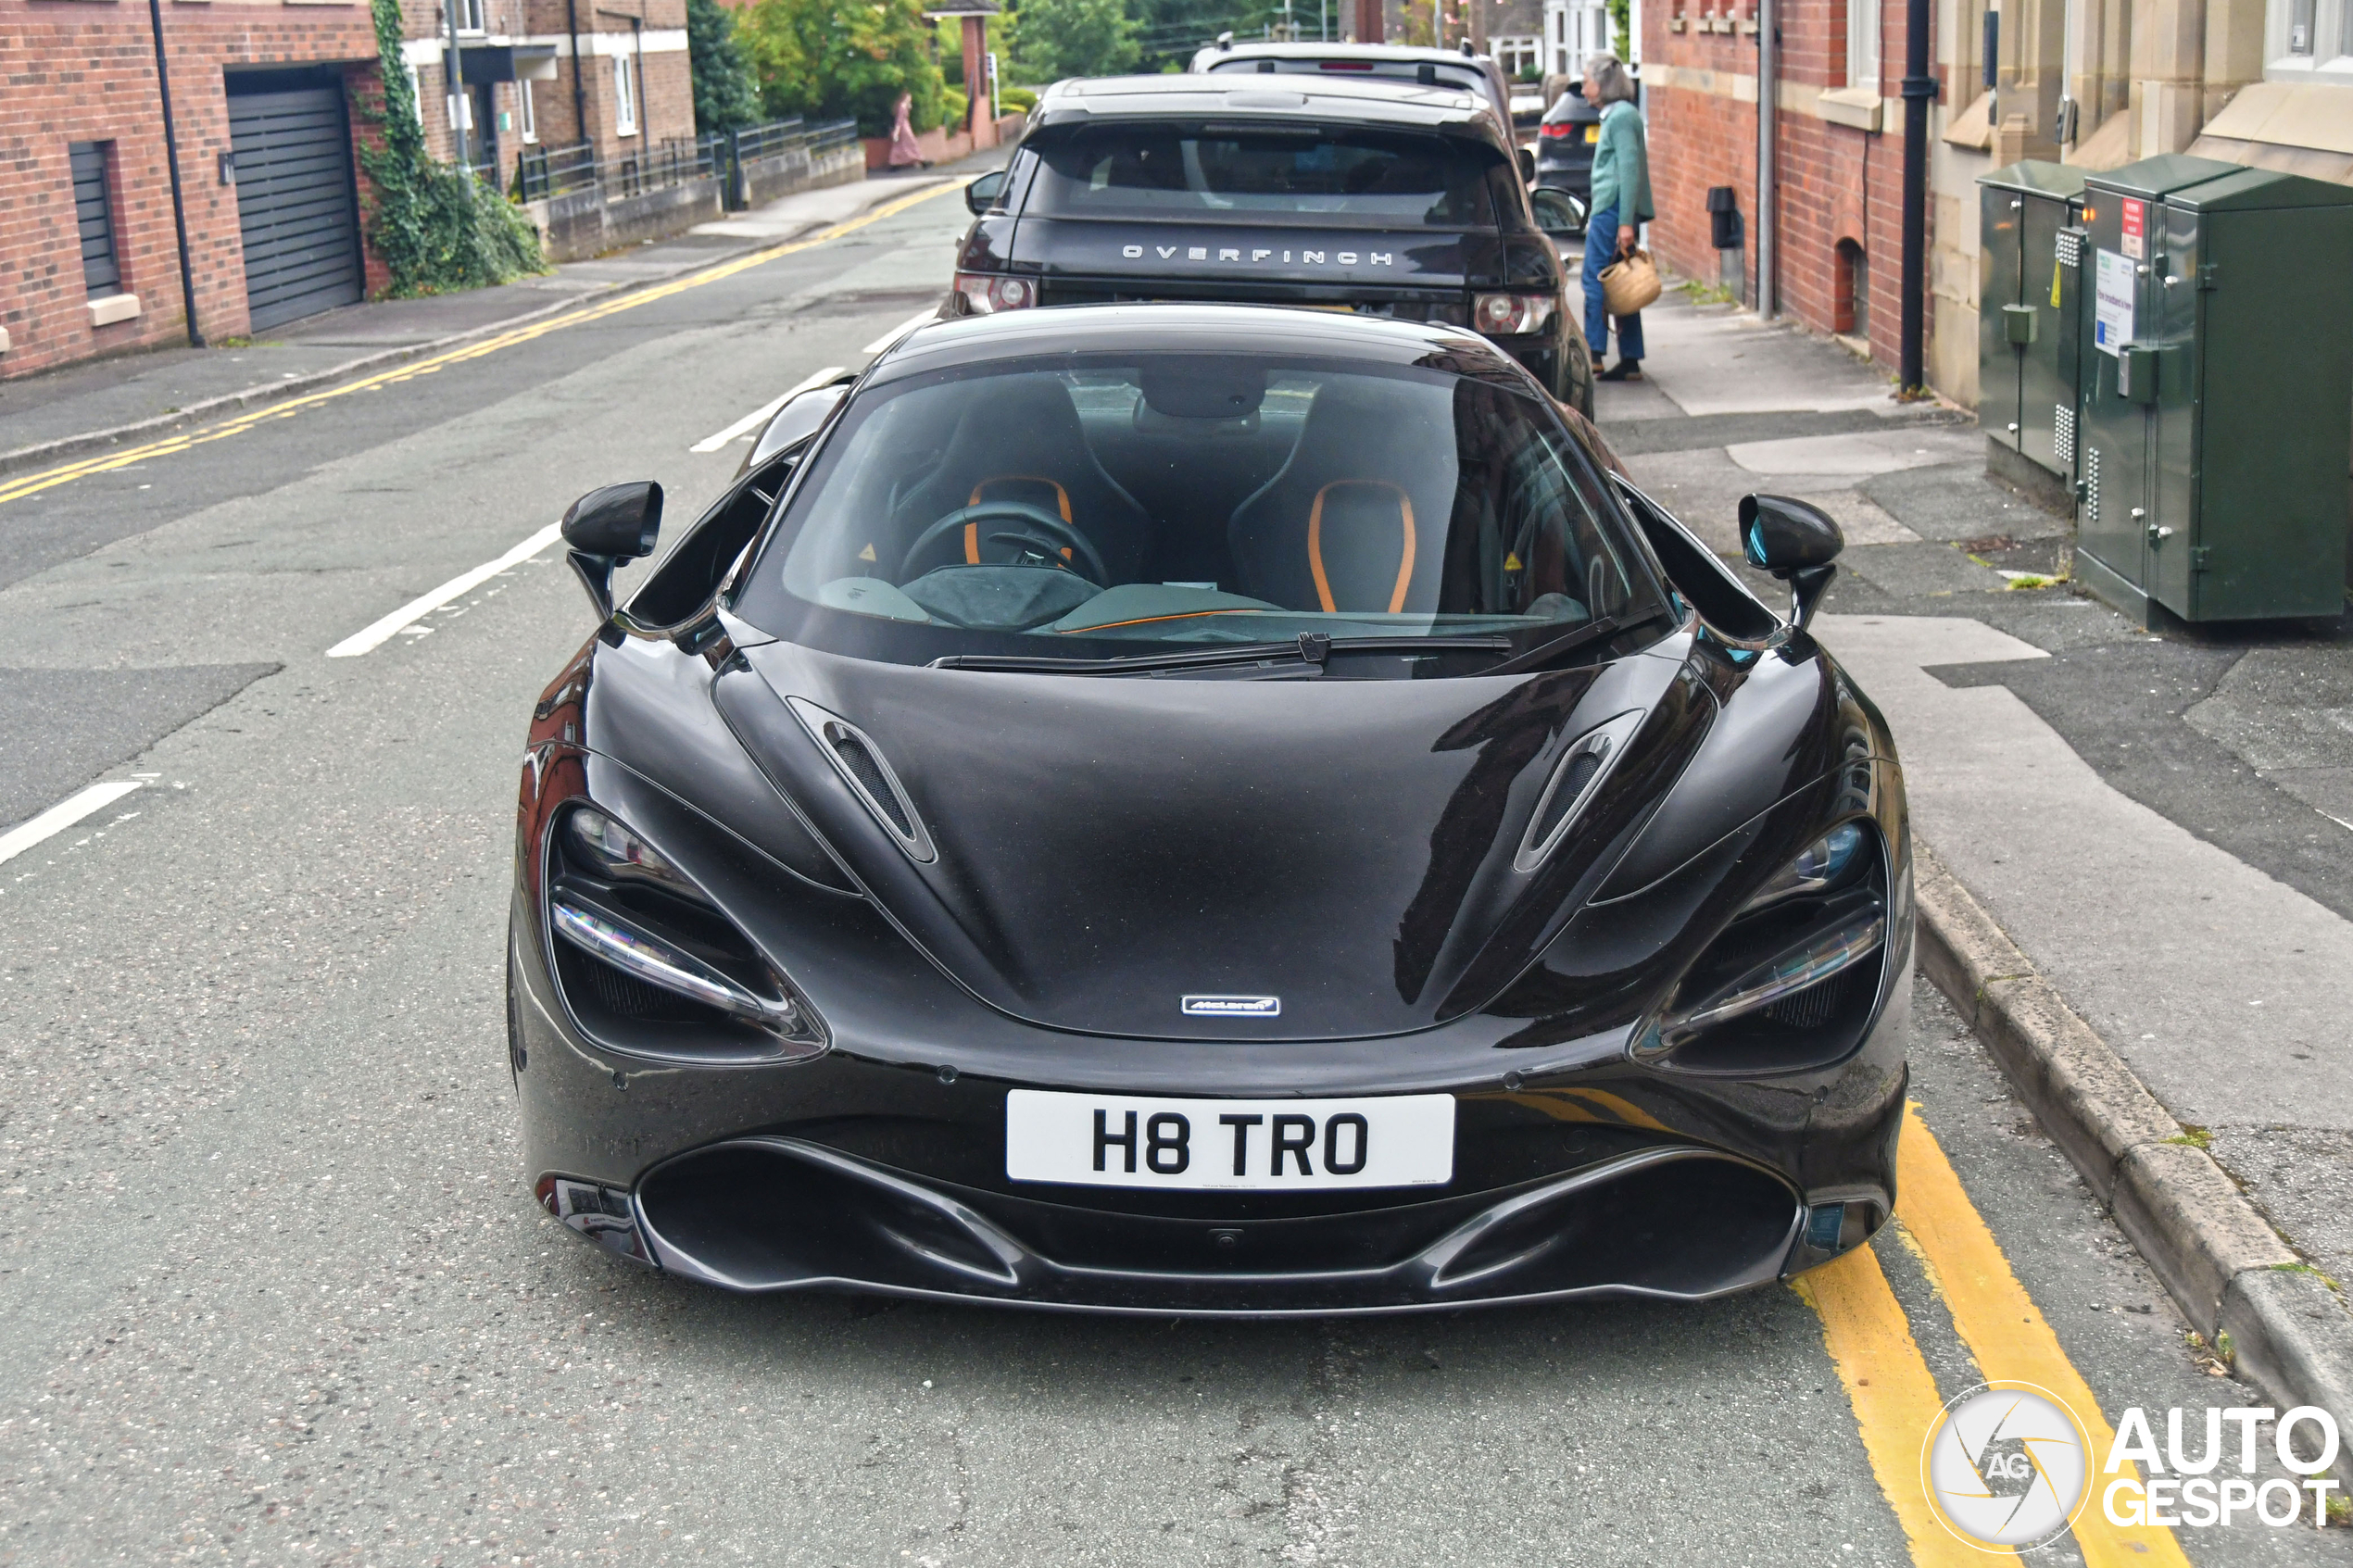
[436, 227]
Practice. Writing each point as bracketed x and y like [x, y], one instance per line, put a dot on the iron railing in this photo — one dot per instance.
[541, 172]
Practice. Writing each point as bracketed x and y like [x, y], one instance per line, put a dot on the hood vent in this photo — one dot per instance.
[1575, 779]
[861, 765]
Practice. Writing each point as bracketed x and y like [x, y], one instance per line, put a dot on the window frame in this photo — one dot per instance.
[103, 153]
[1865, 59]
[2328, 58]
[624, 89]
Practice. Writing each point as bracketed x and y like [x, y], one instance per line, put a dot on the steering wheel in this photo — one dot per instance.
[1035, 520]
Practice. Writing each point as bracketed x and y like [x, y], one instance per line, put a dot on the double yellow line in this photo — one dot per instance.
[65, 473]
[1888, 1382]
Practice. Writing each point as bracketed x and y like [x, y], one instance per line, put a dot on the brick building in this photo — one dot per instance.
[1839, 154]
[89, 257]
[524, 86]
[270, 100]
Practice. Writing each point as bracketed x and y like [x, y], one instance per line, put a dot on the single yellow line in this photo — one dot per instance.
[2007, 1334]
[1892, 1391]
[47, 479]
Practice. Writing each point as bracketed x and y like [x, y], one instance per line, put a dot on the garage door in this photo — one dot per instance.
[294, 203]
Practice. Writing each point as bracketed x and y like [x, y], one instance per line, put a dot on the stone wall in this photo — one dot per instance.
[580, 224]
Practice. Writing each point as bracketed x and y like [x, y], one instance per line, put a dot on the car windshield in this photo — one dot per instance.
[1302, 175]
[1149, 504]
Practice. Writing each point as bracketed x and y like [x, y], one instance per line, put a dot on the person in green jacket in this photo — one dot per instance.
[1622, 204]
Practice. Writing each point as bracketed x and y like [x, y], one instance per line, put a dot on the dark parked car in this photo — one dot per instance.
[1206, 809]
[1565, 142]
[1383, 198]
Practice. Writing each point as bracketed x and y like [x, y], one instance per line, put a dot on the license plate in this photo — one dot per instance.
[1229, 1145]
[1592, 135]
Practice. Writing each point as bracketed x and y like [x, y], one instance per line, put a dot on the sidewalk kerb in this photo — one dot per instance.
[65, 446]
[2218, 1256]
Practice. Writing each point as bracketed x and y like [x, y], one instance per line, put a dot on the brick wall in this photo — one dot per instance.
[83, 71]
[1841, 207]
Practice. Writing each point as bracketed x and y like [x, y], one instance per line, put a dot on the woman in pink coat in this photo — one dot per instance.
[904, 153]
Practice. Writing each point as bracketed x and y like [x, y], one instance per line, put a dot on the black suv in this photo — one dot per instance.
[1384, 199]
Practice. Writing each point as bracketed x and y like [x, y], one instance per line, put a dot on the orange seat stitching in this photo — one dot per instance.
[1316, 544]
[1061, 497]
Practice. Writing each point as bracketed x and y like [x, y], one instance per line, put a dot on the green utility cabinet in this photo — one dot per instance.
[2029, 319]
[2217, 415]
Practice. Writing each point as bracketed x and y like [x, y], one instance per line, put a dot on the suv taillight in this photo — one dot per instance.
[1510, 314]
[985, 294]
[1557, 128]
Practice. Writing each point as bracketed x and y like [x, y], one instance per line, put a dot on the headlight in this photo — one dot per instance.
[647, 962]
[1510, 314]
[1793, 981]
[986, 294]
[613, 851]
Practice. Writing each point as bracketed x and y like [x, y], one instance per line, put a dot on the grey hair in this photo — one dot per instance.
[1609, 74]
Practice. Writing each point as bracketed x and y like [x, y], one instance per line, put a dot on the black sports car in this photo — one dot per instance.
[1218, 809]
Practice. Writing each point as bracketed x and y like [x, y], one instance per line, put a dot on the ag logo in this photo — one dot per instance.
[2006, 1464]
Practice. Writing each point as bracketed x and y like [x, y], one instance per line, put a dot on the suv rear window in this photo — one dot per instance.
[1306, 176]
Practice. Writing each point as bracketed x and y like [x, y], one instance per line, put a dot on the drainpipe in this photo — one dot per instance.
[1919, 88]
[579, 81]
[1768, 65]
[171, 161]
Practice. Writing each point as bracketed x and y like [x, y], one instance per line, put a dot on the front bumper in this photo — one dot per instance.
[1577, 1177]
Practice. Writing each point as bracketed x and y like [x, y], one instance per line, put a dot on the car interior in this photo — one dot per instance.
[1196, 497]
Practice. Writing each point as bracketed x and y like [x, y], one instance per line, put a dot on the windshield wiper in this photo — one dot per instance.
[1309, 647]
[1568, 641]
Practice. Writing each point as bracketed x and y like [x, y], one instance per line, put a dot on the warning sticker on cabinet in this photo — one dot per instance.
[2111, 302]
[2135, 226]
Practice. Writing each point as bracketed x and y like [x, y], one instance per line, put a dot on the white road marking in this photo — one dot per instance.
[928, 313]
[765, 412]
[63, 815]
[371, 637]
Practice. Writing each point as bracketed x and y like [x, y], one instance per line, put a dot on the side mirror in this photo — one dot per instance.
[1527, 167]
[1795, 542]
[982, 194]
[605, 527]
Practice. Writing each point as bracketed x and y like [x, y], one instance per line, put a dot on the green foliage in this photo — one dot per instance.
[1015, 100]
[830, 59]
[726, 96]
[1621, 29]
[1420, 24]
[1053, 39]
[955, 110]
[436, 227]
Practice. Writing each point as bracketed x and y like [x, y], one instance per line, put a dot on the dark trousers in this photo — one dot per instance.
[1601, 249]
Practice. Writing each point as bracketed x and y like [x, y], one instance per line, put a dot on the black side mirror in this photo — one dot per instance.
[607, 526]
[982, 194]
[1795, 542]
[1527, 167]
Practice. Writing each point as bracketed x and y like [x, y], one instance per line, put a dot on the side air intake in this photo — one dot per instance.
[859, 763]
[1575, 778]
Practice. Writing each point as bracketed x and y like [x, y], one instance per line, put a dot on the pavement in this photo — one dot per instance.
[2163, 826]
[87, 407]
[272, 1287]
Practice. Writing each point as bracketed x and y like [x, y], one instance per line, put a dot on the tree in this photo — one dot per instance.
[843, 58]
[726, 96]
[1053, 39]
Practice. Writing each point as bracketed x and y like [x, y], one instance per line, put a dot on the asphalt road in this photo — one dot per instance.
[271, 1288]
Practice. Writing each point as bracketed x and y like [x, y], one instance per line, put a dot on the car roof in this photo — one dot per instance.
[1366, 101]
[1272, 330]
[1482, 66]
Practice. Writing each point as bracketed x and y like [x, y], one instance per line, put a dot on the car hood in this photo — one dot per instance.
[1104, 847]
